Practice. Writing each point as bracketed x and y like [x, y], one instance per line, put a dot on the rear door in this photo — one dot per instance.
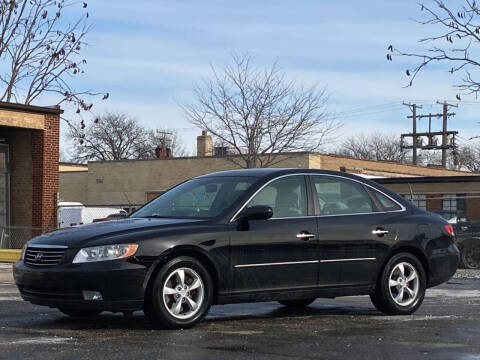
[353, 230]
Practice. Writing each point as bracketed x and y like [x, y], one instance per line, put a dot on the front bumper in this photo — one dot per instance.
[121, 283]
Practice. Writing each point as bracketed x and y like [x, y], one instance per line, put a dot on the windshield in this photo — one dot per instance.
[197, 198]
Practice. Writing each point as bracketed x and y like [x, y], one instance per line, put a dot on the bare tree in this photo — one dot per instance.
[468, 158]
[455, 42]
[376, 146]
[115, 136]
[260, 114]
[40, 53]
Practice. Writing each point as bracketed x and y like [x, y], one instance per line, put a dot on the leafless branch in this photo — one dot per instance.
[260, 114]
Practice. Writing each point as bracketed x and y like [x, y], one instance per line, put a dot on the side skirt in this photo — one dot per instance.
[330, 292]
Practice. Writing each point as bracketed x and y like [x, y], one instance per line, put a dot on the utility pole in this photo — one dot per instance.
[165, 138]
[413, 108]
[444, 131]
[431, 135]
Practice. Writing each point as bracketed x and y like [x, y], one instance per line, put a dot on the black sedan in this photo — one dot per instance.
[288, 235]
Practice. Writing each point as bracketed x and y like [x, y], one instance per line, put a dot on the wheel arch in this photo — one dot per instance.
[191, 251]
[417, 252]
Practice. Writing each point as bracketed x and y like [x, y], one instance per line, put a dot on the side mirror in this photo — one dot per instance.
[259, 212]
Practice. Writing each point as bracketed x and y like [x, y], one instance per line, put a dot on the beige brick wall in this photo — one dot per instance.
[22, 119]
[438, 188]
[20, 177]
[124, 182]
[380, 168]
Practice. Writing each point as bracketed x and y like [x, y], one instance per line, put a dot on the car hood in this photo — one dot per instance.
[80, 235]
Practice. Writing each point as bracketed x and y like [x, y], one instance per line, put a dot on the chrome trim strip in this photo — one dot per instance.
[345, 260]
[279, 263]
[47, 246]
[402, 208]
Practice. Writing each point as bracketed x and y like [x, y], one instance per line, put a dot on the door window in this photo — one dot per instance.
[286, 196]
[338, 196]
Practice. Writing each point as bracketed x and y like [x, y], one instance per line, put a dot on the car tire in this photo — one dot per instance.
[470, 256]
[181, 294]
[297, 304]
[401, 286]
[80, 313]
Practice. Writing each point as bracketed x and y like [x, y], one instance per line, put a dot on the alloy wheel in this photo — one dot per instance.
[403, 283]
[183, 293]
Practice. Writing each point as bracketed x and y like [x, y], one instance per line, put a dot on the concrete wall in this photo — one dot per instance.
[73, 186]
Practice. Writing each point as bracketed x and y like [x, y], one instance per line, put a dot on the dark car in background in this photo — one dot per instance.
[286, 235]
[467, 237]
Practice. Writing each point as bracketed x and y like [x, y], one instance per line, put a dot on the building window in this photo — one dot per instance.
[454, 202]
[419, 200]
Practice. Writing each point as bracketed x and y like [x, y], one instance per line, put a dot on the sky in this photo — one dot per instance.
[149, 54]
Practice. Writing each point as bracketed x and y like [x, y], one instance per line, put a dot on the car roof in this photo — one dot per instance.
[274, 172]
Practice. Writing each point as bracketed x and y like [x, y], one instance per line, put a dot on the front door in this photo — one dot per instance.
[282, 252]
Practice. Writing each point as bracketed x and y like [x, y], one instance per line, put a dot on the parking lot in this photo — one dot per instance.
[447, 326]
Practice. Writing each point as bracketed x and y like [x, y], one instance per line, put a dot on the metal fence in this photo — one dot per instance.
[14, 237]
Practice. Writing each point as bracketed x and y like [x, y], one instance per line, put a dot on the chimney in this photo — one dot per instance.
[204, 144]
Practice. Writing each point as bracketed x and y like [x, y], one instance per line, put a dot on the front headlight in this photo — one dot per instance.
[103, 253]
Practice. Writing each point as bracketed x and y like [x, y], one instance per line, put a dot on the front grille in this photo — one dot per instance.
[44, 256]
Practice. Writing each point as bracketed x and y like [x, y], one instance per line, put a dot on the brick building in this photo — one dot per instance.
[29, 150]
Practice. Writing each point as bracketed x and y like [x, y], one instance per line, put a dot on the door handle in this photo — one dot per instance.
[380, 232]
[305, 236]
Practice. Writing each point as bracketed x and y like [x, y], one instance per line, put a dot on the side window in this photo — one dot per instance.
[286, 196]
[338, 196]
[387, 203]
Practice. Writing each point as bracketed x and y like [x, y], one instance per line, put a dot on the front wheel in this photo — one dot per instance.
[182, 294]
[470, 255]
[401, 287]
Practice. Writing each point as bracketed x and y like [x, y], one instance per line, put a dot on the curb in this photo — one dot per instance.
[6, 274]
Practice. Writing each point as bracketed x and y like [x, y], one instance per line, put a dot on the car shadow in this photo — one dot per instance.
[218, 315]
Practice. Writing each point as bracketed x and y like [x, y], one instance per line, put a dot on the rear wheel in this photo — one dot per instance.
[80, 313]
[301, 303]
[181, 295]
[401, 287]
[470, 255]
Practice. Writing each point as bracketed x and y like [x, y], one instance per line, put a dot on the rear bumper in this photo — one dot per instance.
[443, 265]
[121, 284]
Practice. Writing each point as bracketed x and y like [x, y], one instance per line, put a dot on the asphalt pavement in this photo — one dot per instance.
[447, 326]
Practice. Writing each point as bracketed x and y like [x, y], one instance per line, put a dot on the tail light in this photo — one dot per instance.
[449, 229]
